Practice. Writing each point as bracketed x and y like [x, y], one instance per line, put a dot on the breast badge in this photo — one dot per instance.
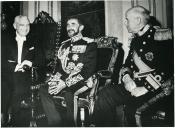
[75, 57]
[149, 56]
[79, 49]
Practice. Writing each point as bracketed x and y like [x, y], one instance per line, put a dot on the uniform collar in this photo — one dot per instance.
[143, 30]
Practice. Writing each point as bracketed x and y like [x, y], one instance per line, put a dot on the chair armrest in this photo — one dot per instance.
[104, 74]
[167, 89]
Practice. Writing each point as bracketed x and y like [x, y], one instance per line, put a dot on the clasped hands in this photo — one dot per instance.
[20, 67]
[55, 86]
[130, 86]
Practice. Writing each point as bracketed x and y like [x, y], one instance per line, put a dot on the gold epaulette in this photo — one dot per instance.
[163, 34]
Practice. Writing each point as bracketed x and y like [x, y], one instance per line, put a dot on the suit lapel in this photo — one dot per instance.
[14, 50]
[24, 50]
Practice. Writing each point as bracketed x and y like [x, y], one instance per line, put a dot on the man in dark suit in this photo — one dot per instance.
[20, 54]
[76, 64]
[148, 65]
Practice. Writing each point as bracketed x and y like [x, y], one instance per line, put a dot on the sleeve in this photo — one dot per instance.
[89, 66]
[126, 66]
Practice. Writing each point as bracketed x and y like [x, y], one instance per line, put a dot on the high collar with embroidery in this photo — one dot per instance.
[142, 31]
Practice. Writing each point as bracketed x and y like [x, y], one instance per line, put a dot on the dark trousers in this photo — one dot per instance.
[21, 92]
[108, 99]
[56, 114]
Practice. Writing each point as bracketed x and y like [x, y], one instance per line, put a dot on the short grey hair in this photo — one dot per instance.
[17, 18]
[143, 12]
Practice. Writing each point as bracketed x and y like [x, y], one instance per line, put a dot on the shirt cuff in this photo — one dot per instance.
[73, 80]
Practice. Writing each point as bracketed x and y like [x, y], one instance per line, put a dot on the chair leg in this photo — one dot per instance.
[75, 109]
[138, 120]
[121, 119]
[82, 116]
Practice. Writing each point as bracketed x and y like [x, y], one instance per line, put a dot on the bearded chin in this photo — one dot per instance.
[72, 34]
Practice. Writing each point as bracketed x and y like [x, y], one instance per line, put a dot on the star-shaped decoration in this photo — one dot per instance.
[75, 57]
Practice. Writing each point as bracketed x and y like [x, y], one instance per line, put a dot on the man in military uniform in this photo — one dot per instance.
[148, 65]
[76, 64]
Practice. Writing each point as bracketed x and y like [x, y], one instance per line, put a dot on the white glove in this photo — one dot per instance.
[128, 83]
[139, 91]
[26, 62]
[19, 68]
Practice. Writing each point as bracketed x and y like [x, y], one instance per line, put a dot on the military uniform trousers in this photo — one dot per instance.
[56, 114]
[111, 97]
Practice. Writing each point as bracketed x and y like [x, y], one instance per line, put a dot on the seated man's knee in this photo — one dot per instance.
[55, 120]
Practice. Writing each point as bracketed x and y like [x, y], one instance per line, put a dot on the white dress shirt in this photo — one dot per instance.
[20, 40]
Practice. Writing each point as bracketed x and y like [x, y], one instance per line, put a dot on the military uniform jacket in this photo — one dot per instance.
[76, 63]
[155, 49]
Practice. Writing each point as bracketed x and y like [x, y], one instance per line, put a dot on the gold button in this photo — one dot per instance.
[131, 66]
[149, 36]
[144, 42]
[141, 50]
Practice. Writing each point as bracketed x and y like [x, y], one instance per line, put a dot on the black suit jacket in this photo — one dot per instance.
[21, 81]
[27, 52]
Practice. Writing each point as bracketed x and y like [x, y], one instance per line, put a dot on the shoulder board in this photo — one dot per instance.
[65, 41]
[88, 40]
[163, 34]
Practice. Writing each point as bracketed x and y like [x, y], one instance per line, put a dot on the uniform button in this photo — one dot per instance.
[131, 66]
[141, 50]
[149, 36]
[149, 87]
[139, 79]
[162, 73]
[131, 60]
[144, 42]
[151, 30]
[158, 78]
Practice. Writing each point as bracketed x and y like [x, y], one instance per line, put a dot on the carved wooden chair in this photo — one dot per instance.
[107, 53]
